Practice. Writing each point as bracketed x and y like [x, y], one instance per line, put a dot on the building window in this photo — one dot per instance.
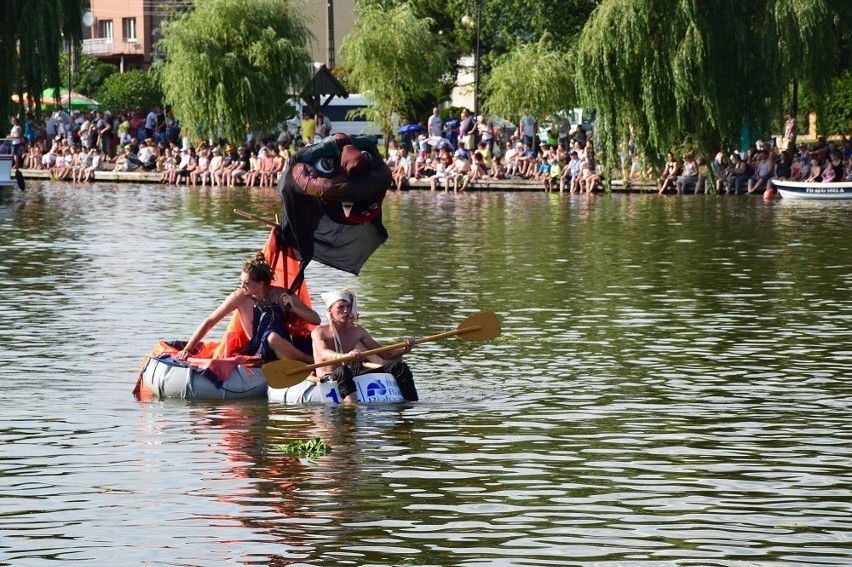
[105, 29]
[128, 27]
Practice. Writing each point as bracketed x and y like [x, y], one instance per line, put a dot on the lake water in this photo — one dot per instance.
[671, 386]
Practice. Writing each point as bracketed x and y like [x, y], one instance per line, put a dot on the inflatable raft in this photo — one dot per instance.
[371, 388]
[167, 378]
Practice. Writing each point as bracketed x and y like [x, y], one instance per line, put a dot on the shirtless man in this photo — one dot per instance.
[342, 336]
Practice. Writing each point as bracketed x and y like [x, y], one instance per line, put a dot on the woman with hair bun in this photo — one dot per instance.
[264, 311]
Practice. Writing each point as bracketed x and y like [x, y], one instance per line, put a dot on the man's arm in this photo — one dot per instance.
[371, 343]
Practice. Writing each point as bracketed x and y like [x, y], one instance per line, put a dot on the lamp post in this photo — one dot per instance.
[468, 21]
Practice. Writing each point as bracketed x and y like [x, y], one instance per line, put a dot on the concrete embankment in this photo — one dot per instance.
[419, 184]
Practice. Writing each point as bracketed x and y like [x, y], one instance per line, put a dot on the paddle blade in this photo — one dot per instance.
[285, 373]
[488, 323]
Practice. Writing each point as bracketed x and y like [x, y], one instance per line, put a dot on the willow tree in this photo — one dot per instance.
[32, 35]
[231, 64]
[391, 57]
[683, 72]
[537, 76]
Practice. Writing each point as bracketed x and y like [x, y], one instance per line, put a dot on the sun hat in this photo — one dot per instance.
[332, 297]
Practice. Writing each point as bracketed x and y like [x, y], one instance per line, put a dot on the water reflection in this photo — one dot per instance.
[669, 388]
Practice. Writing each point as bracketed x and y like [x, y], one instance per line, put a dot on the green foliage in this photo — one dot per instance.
[134, 91]
[834, 111]
[508, 24]
[88, 73]
[534, 76]
[837, 115]
[312, 448]
[505, 25]
[31, 39]
[231, 64]
[674, 69]
[392, 59]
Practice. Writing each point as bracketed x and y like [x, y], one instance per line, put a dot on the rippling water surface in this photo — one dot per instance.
[671, 387]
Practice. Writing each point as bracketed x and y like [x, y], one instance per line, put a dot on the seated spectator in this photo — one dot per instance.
[147, 156]
[252, 178]
[542, 165]
[183, 169]
[526, 162]
[81, 161]
[402, 172]
[215, 168]
[93, 166]
[552, 180]
[669, 176]
[279, 164]
[487, 154]
[64, 164]
[498, 170]
[242, 168]
[393, 153]
[571, 173]
[589, 174]
[127, 161]
[689, 174]
[48, 160]
[737, 175]
[201, 173]
[510, 159]
[703, 175]
[835, 164]
[168, 164]
[461, 167]
[267, 167]
[443, 172]
[764, 170]
[477, 170]
[634, 174]
[796, 168]
[33, 157]
[816, 170]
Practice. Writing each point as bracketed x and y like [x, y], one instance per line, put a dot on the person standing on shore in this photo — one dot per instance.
[526, 128]
[151, 123]
[17, 135]
[466, 129]
[436, 125]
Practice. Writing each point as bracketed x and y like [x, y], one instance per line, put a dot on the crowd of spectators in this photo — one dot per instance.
[75, 146]
[450, 153]
[754, 170]
[455, 152]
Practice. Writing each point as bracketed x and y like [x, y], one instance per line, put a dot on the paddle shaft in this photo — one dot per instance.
[255, 218]
[380, 350]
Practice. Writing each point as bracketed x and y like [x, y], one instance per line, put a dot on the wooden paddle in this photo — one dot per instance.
[285, 373]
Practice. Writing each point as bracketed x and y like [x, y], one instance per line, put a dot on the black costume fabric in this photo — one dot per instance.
[331, 197]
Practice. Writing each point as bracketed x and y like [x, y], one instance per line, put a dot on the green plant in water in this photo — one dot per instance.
[311, 448]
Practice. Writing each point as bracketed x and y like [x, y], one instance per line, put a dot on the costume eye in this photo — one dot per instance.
[367, 155]
[325, 165]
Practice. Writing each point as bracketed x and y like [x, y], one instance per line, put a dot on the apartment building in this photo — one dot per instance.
[124, 32]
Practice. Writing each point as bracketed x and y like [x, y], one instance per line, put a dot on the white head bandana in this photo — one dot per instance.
[332, 297]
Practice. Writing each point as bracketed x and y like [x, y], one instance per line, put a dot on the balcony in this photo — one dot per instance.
[100, 46]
